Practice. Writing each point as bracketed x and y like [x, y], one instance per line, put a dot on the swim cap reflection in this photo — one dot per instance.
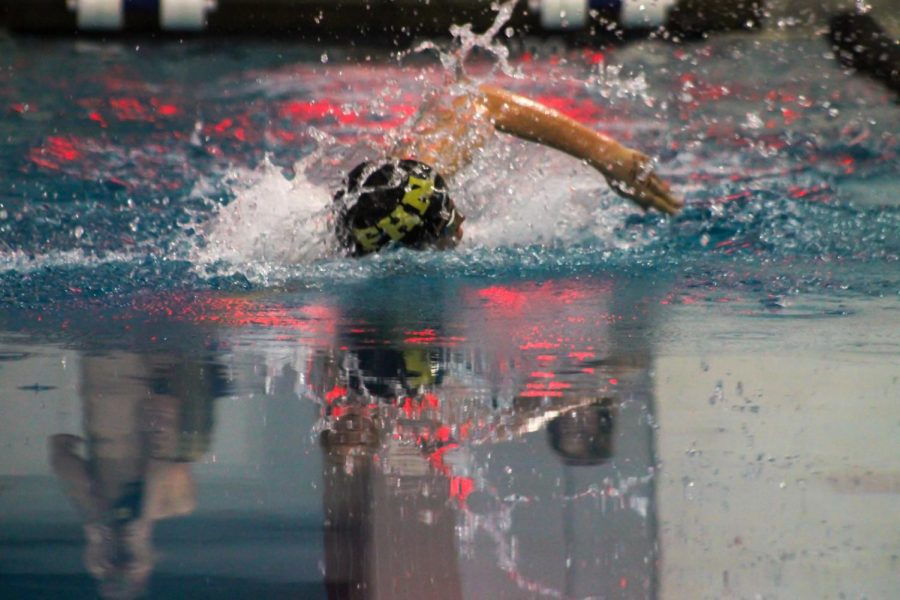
[404, 201]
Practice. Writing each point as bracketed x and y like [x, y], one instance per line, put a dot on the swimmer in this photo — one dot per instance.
[404, 197]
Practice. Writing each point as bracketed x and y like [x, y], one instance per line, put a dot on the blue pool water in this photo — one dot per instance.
[118, 158]
[581, 401]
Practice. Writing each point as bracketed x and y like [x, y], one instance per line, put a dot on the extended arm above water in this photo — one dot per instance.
[628, 171]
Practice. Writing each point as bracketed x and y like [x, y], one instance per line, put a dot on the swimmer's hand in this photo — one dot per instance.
[633, 177]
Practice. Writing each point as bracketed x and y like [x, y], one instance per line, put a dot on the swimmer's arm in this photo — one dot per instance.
[628, 171]
[446, 135]
[73, 472]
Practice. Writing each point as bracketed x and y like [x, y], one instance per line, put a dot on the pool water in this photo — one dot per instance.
[201, 398]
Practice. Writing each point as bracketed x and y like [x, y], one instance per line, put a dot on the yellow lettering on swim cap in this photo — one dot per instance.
[368, 238]
[398, 223]
[418, 192]
[418, 368]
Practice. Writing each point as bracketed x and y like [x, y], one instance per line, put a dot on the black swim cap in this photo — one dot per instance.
[397, 200]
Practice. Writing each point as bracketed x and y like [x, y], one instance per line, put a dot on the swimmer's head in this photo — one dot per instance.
[403, 201]
[584, 436]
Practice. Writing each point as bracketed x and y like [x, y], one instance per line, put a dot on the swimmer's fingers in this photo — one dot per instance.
[653, 192]
[659, 194]
[646, 188]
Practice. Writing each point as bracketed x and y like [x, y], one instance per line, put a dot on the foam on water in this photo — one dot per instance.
[272, 219]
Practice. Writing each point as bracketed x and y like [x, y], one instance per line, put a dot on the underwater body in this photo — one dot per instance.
[201, 397]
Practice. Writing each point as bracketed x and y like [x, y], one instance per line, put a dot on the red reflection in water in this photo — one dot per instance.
[541, 394]
[424, 333]
[335, 393]
[533, 326]
[543, 374]
[128, 109]
[96, 116]
[431, 400]
[317, 110]
[514, 299]
[167, 110]
[789, 115]
[461, 487]
[222, 125]
[236, 312]
[594, 57]
[443, 433]
[504, 298]
[539, 346]
[434, 340]
[436, 458]
[55, 151]
[242, 313]
[809, 193]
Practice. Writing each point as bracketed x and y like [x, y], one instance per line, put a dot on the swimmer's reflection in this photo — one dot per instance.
[393, 488]
[389, 516]
[146, 419]
[583, 436]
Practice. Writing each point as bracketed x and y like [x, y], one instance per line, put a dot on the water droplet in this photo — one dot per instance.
[753, 121]
[718, 394]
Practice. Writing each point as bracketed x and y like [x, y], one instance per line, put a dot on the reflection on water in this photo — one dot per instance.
[146, 419]
[495, 438]
[469, 438]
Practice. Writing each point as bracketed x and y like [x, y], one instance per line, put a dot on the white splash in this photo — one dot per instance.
[272, 220]
[465, 41]
[27, 262]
